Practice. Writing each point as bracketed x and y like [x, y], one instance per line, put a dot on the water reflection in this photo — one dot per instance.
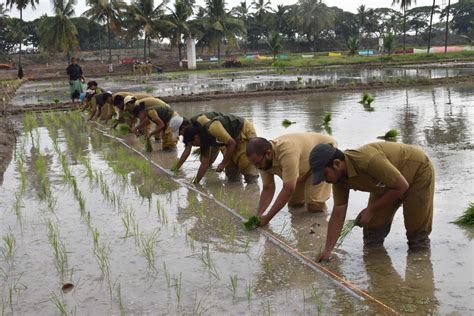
[416, 286]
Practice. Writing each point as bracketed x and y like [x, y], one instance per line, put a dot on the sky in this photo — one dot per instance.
[44, 6]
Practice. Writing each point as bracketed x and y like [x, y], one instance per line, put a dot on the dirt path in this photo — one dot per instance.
[7, 140]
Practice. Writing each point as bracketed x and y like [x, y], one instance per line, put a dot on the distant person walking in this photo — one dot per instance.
[75, 80]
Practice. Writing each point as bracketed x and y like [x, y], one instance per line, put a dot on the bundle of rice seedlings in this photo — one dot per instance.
[174, 166]
[392, 133]
[327, 118]
[252, 223]
[369, 100]
[467, 218]
[148, 146]
[196, 152]
[56, 101]
[114, 121]
[126, 114]
[286, 123]
[366, 99]
[345, 231]
[124, 129]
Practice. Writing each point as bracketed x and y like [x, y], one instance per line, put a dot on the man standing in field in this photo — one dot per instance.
[287, 157]
[394, 174]
[74, 72]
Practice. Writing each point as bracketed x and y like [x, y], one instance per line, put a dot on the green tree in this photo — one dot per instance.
[404, 5]
[261, 7]
[20, 5]
[313, 17]
[58, 33]
[108, 12]
[353, 45]
[346, 24]
[3, 10]
[179, 23]
[274, 43]
[218, 26]
[463, 17]
[389, 43]
[150, 19]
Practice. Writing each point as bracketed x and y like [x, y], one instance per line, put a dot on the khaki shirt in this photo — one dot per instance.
[151, 102]
[291, 156]
[377, 166]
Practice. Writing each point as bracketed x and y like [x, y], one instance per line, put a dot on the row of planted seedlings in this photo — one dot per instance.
[198, 223]
[227, 231]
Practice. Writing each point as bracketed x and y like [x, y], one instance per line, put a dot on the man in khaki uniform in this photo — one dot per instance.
[167, 121]
[287, 157]
[232, 132]
[394, 174]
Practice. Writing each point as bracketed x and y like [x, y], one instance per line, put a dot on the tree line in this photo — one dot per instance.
[116, 24]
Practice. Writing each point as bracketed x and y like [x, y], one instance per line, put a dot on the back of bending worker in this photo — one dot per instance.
[96, 102]
[124, 102]
[167, 121]
[230, 131]
[394, 174]
[287, 157]
[201, 119]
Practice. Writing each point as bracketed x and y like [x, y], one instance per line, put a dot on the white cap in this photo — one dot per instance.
[128, 98]
[175, 124]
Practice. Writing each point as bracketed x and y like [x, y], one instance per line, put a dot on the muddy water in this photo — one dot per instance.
[440, 281]
[138, 243]
[172, 85]
[439, 120]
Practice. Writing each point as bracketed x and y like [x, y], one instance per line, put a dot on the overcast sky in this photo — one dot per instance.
[347, 5]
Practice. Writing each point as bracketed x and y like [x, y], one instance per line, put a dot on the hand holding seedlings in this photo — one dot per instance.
[252, 223]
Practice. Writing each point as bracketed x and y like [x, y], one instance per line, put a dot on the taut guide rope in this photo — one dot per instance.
[294, 252]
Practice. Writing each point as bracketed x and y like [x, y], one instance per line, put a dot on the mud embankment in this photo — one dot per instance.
[7, 141]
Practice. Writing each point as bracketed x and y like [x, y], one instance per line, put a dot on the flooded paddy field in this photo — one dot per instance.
[45, 92]
[78, 207]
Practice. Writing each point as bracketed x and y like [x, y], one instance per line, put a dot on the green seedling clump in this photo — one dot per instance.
[56, 101]
[466, 219]
[327, 118]
[197, 152]
[392, 133]
[367, 99]
[286, 123]
[345, 231]
[252, 223]
[124, 129]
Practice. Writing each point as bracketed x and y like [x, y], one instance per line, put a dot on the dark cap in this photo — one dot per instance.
[318, 160]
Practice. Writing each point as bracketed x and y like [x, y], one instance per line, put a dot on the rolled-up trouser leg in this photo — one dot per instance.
[167, 138]
[316, 195]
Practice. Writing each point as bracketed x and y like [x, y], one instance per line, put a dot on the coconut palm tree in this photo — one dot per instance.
[404, 4]
[241, 11]
[312, 18]
[179, 22]
[149, 19]
[261, 8]
[274, 43]
[20, 5]
[108, 11]
[3, 10]
[219, 26]
[58, 33]
[447, 28]
[431, 24]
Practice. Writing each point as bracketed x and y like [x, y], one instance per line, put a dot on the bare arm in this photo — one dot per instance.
[205, 163]
[160, 125]
[282, 199]
[336, 221]
[395, 192]
[266, 197]
[229, 151]
[140, 125]
[184, 156]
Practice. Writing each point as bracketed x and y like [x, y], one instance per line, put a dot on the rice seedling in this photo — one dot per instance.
[391, 134]
[60, 256]
[299, 79]
[162, 216]
[149, 90]
[167, 275]
[95, 238]
[56, 101]
[9, 244]
[196, 152]
[467, 218]
[177, 284]
[147, 243]
[120, 300]
[249, 291]
[21, 171]
[287, 123]
[87, 163]
[41, 167]
[102, 257]
[208, 262]
[267, 308]
[345, 231]
[327, 118]
[17, 205]
[316, 300]
[191, 237]
[52, 202]
[252, 223]
[58, 301]
[233, 285]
